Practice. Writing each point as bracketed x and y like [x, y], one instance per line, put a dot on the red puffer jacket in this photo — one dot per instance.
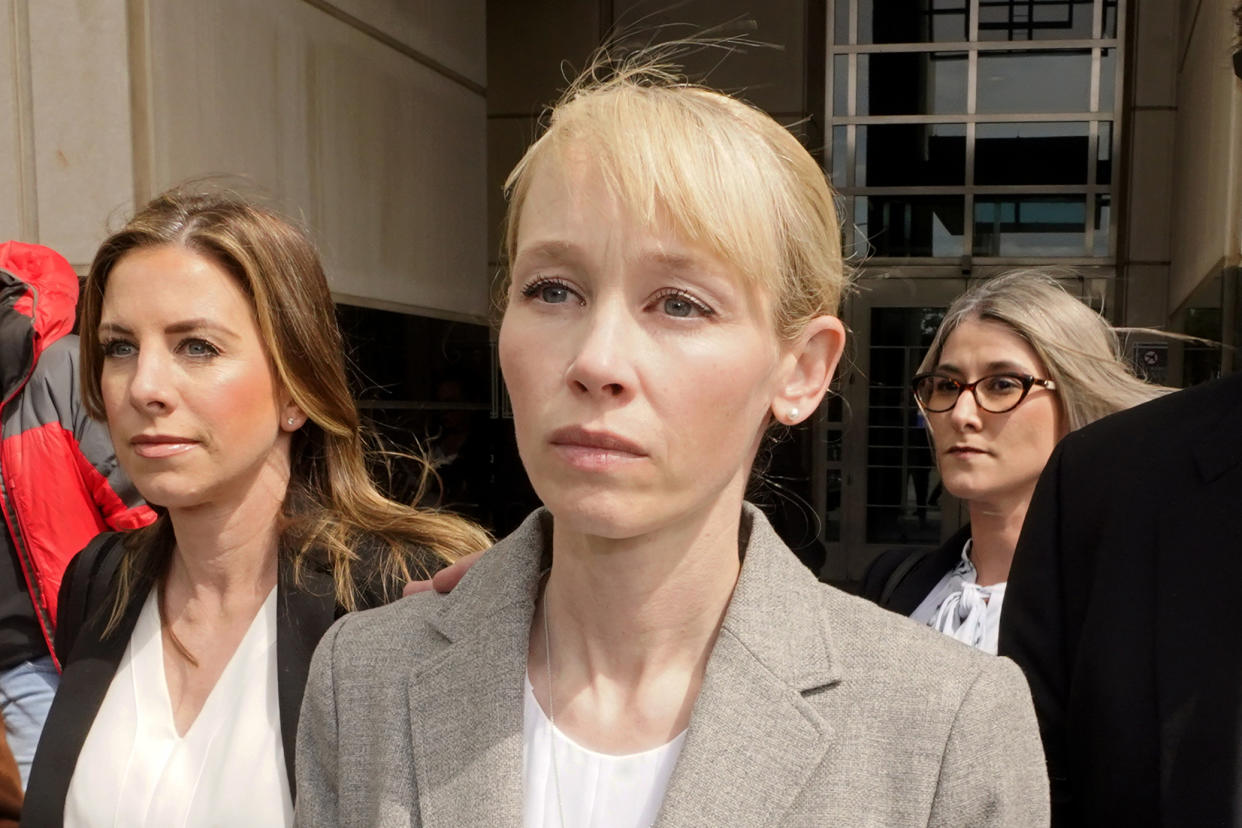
[60, 484]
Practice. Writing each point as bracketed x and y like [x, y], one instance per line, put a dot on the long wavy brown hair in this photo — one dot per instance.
[332, 507]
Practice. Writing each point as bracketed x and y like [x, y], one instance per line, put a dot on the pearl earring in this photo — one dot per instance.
[793, 413]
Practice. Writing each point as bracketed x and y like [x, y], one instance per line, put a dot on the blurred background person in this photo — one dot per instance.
[210, 347]
[1016, 364]
[61, 483]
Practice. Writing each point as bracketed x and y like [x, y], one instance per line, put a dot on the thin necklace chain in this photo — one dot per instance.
[547, 657]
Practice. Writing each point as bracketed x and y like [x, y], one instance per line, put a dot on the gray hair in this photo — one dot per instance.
[1078, 347]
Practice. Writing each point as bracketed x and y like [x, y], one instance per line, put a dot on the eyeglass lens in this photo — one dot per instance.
[996, 393]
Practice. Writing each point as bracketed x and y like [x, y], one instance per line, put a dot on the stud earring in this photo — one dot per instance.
[793, 414]
[291, 421]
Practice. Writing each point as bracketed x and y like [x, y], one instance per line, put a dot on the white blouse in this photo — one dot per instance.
[596, 790]
[228, 768]
[959, 607]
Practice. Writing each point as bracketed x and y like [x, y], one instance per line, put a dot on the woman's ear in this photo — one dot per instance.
[807, 366]
[291, 417]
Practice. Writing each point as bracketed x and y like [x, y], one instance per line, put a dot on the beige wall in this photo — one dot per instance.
[65, 162]
[16, 160]
[1206, 209]
[1149, 124]
[364, 117]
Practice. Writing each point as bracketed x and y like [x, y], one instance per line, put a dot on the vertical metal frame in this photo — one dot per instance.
[1118, 118]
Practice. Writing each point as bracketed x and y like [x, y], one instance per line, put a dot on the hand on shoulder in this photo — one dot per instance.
[446, 579]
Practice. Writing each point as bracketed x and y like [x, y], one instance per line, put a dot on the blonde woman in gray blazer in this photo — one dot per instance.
[646, 650]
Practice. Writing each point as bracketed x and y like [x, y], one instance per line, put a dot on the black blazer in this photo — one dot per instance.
[918, 580]
[303, 615]
[1124, 608]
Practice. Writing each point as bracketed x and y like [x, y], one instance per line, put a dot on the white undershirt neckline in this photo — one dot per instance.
[227, 769]
[597, 790]
[959, 607]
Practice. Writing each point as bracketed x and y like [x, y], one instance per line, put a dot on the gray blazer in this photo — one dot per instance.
[816, 708]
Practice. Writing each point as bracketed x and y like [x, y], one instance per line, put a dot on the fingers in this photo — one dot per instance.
[416, 586]
[447, 578]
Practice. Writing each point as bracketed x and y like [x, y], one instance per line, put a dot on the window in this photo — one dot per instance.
[1035, 19]
[975, 128]
[1030, 226]
[903, 486]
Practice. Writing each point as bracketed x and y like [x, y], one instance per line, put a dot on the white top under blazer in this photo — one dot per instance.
[595, 790]
[228, 768]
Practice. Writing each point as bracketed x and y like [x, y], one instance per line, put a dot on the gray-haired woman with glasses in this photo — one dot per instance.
[1017, 363]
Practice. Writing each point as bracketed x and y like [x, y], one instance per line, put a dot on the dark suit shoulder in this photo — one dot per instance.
[373, 572]
[882, 568]
[917, 570]
[1177, 418]
[85, 588]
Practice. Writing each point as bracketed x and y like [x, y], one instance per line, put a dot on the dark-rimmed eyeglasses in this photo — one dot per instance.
[996, 393]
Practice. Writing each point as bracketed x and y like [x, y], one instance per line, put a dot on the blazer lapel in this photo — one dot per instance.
[466, 705]
[83, 685]
[751, 703]
[303, 615]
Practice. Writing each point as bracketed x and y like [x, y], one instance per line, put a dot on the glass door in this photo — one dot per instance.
[890, 491]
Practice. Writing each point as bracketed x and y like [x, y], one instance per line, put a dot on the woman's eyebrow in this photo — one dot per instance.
[707, 272]
[998, 366]
[676, 262]
[1007, 365]
[180, 327]
[199, 324]
[551, 250]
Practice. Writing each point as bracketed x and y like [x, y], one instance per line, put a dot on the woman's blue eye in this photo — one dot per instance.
[1003, 384]
[199, 348]
[553, 294]
[549, 291]
[678, 306]
[118, 348]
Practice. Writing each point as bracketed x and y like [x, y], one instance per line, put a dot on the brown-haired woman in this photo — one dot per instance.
[210, 347]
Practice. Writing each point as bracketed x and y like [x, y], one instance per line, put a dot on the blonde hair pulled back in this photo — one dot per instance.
[724, 173]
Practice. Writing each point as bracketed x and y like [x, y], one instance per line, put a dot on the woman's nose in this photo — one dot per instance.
[151, 385]
[965, 411]
[603, 359]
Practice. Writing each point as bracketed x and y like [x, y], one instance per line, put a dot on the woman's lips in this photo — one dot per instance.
[161, 446]
[594, 450]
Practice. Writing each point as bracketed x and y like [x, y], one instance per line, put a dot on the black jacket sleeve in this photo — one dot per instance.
[1034, 624]
[84, 589]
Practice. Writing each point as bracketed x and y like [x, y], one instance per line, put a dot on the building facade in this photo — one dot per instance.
[1098, 138]
[1101, 138]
